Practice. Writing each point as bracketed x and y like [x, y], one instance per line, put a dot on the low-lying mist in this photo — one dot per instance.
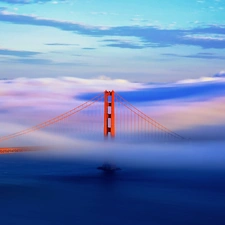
[188, 155]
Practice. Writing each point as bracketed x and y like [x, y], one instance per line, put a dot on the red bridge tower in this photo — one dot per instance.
[109, 113]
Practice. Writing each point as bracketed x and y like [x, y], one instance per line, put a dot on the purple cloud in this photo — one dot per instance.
[220, 74]
[190, 91]
[22, 96]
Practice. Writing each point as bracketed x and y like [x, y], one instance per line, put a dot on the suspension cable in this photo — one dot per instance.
[55, 119]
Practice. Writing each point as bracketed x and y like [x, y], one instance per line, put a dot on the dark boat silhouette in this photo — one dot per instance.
[107, 167]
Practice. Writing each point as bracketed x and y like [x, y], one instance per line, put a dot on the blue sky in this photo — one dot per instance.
[141, 41]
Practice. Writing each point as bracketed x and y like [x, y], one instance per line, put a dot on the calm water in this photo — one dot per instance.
[45, 190]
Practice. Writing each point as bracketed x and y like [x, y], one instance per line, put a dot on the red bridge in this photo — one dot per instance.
[107, 113]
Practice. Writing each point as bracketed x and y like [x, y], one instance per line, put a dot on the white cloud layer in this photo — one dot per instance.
[26, 102]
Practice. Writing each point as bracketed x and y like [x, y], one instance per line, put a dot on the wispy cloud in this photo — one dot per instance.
[29, 1]
[122, 44]
[61, 44]
[33, 61]
[100, 13]
[38, 61]
[149, 36]
[17, 53]
[200, 55]
[88, 48]
[139, 20]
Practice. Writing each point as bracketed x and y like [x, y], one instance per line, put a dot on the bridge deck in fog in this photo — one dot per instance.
[7, 150]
